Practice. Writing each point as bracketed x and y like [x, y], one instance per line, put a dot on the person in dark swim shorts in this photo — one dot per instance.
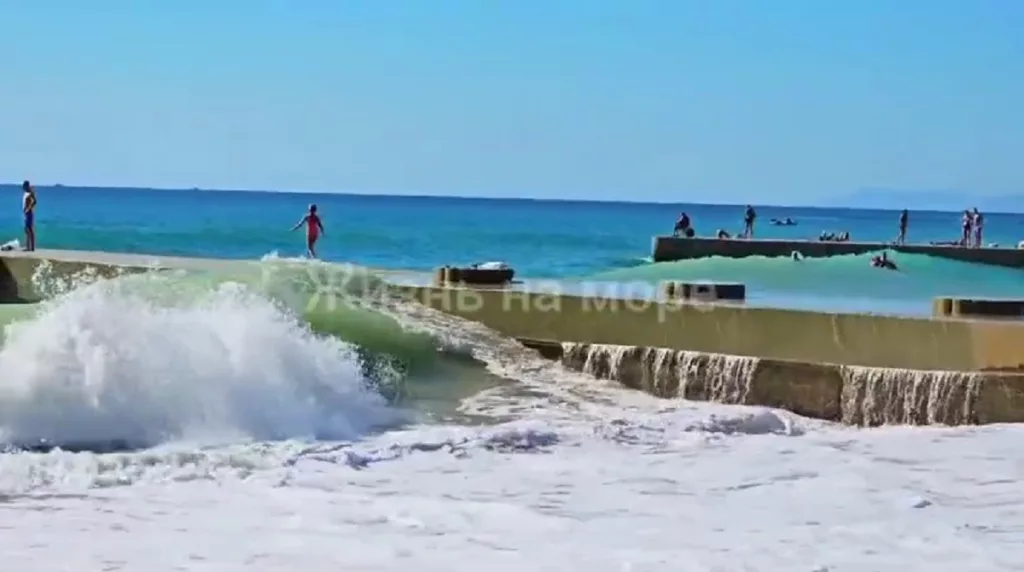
[749, 216]
[28, 208]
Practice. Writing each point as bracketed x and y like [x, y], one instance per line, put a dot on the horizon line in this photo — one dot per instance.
[422, 195]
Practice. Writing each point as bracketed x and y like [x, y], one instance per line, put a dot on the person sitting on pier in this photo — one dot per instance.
[723, 234]
[683, 226]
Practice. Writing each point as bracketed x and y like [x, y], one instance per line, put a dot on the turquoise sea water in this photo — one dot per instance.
[542, 239]
[261, 350]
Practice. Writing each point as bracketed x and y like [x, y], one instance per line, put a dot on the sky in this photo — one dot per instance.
[784, 101]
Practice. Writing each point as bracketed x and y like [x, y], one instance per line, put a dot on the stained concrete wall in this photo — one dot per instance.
[17, 268]
[979, 307]
[853, 339]
[668, 248]
[16, 275]
[851, 395]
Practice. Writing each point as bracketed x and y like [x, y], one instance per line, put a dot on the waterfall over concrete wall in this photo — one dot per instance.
[853, 395]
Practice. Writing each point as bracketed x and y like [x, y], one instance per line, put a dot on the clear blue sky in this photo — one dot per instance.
[729, 100]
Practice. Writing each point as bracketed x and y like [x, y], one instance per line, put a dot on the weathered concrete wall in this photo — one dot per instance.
[852, 339]
[978, 307]
[16, 276]
[848, 394]
[668, 248]
[17, 269]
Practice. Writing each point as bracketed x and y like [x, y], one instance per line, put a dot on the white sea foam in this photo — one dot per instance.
[139, 361]
[585, 476]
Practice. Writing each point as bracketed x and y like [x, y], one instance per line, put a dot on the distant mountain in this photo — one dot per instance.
[937, 200]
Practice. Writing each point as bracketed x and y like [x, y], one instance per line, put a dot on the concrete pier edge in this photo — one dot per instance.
[669, 249]
[831, 392]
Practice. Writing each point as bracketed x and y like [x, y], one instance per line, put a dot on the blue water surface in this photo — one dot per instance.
[541, 239]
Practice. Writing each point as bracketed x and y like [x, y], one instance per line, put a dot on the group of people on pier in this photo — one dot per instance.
[972, 229]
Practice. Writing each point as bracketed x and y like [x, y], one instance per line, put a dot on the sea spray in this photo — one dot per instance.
[666, 372]
[50, 281]
[147, 359]
[874, 396]
[328, 296]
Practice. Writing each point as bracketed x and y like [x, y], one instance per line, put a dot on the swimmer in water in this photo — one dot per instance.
[882, 261]
[314, 230]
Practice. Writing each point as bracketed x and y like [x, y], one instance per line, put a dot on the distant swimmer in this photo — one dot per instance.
[314, 230]
[883, 261]
[28, 208]
[783, 222]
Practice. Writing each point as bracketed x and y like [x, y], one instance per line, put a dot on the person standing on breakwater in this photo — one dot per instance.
[978, 222]
[28, 208]
[901, 238]
[748, 222]
[314, 230]
[966, 222]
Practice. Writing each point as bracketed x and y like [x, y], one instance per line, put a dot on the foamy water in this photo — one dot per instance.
[269, 451]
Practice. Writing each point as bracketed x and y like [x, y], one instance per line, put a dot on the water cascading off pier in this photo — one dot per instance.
[853, 395]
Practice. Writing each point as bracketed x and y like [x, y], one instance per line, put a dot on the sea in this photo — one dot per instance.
[214, 419]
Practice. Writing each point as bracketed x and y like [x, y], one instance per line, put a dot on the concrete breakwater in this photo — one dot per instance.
[862, 396]
[794, 335]
[858, 369]
[669, 248]
[17, 269]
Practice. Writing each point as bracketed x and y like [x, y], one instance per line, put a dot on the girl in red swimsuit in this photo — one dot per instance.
[314, 230]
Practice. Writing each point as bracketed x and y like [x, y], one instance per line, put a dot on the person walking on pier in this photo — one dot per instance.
[748, 222]
[901, 238]
[28, 209]
[314, 230]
